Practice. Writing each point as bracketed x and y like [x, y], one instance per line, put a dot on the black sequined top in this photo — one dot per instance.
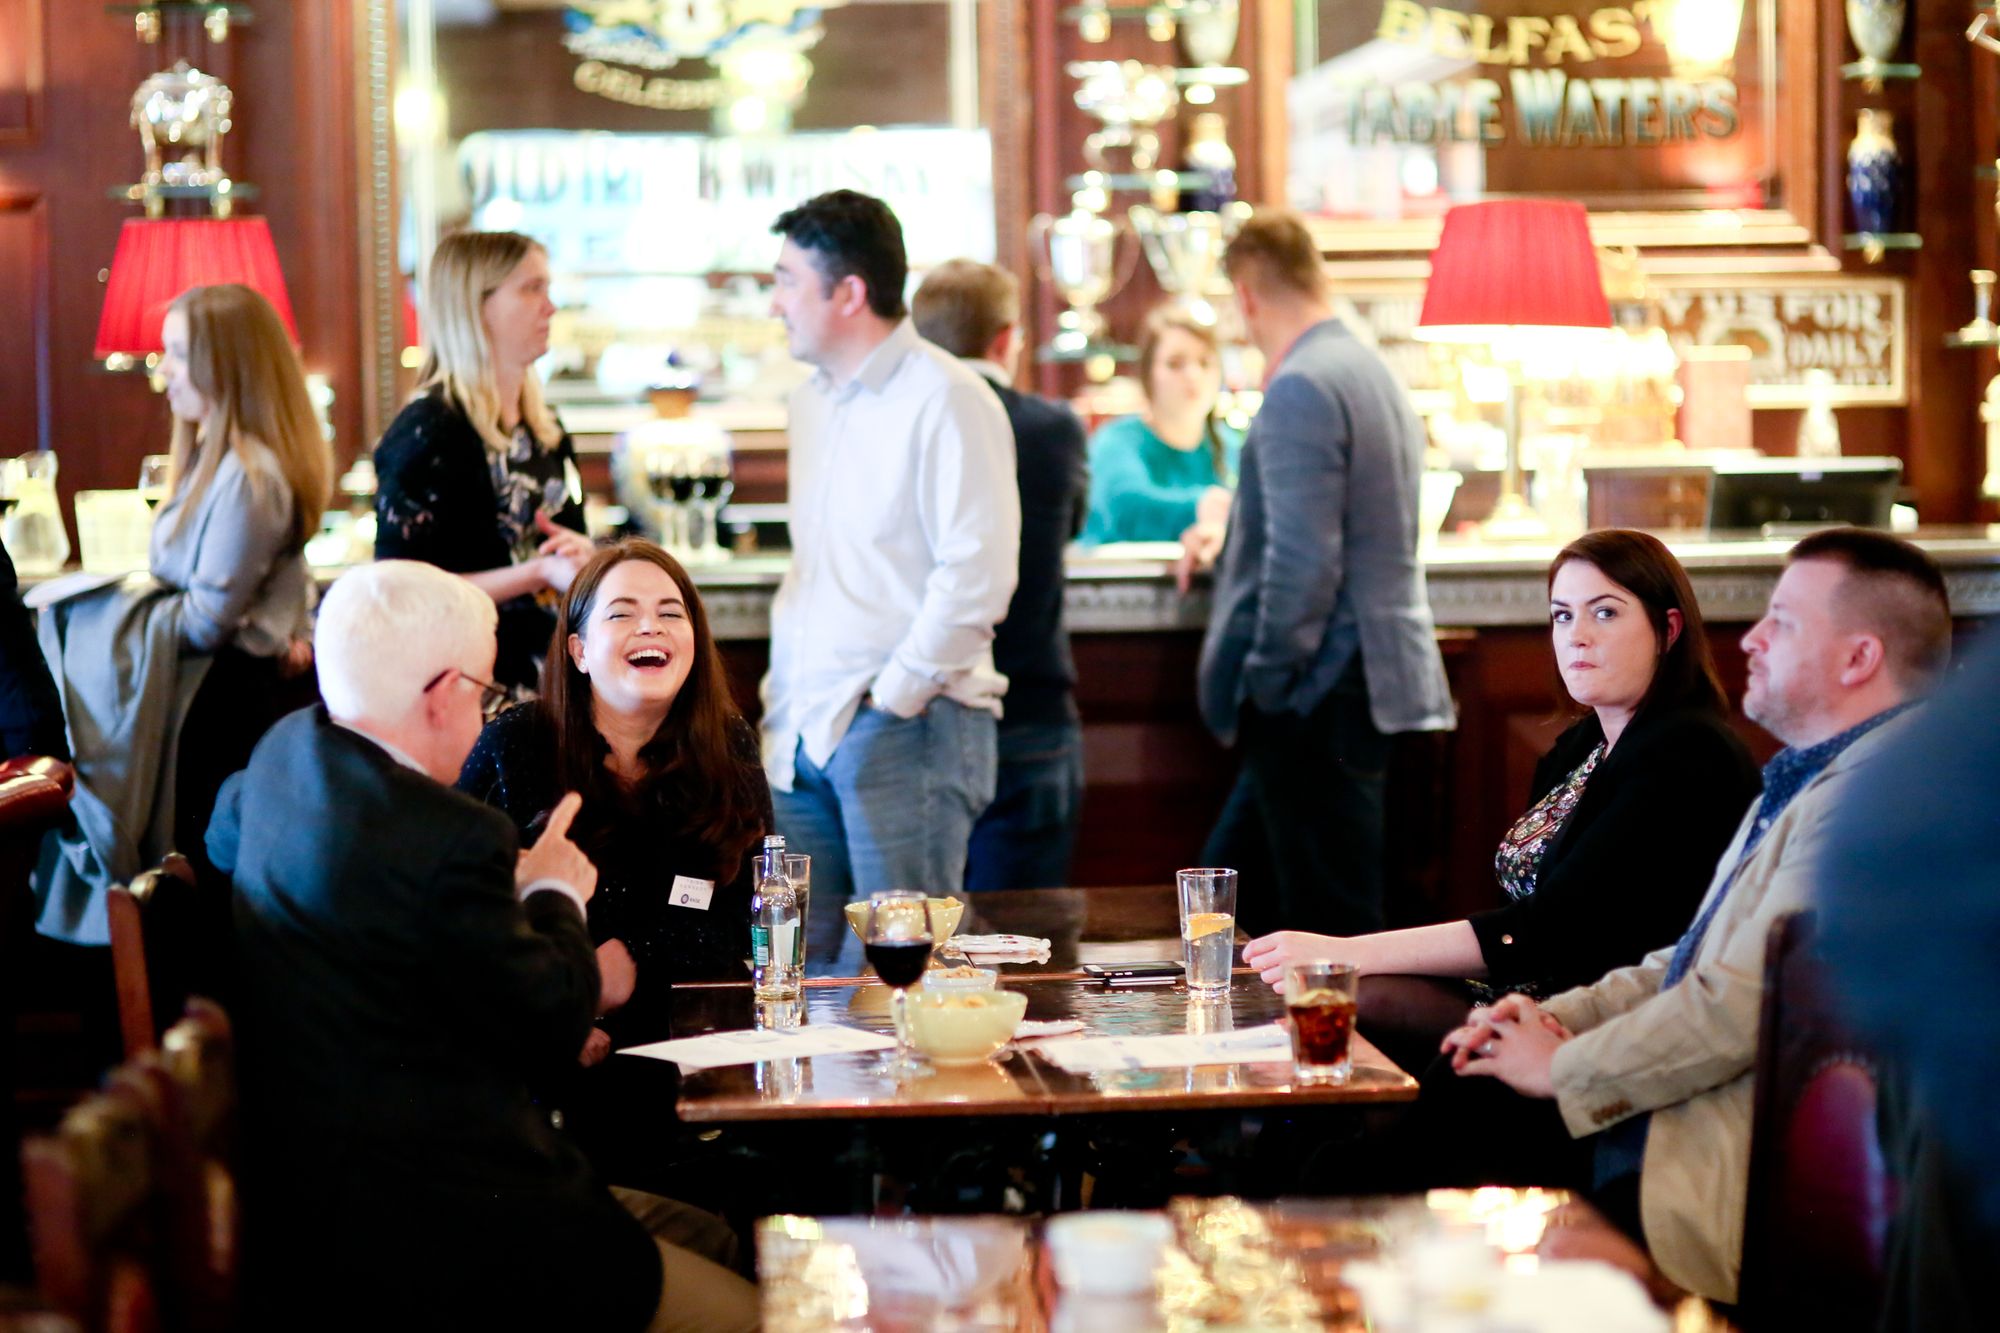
[638, 851]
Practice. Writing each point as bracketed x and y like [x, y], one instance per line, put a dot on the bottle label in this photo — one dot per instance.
[760, 947]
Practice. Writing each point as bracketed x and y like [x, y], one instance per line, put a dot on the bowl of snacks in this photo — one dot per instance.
[963, 1026]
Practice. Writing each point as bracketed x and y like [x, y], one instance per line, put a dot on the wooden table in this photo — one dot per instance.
[1020, 1083]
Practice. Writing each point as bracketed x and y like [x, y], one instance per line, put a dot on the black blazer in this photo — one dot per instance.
[1628, 870]
[435, 502]
[31, 717]
[1031, 646]
[394, 1000]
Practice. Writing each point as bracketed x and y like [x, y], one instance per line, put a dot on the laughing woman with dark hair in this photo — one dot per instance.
[635, 714]
[1630, 808]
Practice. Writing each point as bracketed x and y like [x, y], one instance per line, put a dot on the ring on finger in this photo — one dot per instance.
[1486, 1049]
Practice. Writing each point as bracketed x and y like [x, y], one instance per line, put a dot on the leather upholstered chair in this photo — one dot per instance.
[1820, 1197]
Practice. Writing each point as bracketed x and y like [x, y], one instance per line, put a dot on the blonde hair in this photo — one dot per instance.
[963, 305]
[241, 360]
[466, 268]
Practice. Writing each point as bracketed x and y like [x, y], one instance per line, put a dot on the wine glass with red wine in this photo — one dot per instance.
[898, 942]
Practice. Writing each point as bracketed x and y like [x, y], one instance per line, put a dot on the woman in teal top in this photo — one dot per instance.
[1154, 475]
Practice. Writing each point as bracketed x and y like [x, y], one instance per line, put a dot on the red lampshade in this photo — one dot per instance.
[1512, 264]
[159, 258]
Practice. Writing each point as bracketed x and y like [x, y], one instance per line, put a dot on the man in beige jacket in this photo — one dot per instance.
[1654, 1062]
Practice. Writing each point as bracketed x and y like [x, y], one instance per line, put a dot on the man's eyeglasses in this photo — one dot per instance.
[492, 698]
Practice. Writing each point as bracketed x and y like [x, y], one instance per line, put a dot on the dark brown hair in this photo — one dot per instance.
[1684, 674]
[1154, 332]
[1273, 252]
[698, 774]
[962, 305]
[1895, 591]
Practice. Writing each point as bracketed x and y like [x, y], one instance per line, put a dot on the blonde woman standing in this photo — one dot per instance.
[476, 475]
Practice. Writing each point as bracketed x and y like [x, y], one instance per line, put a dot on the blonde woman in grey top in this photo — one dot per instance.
[168, 684]
[251, 474]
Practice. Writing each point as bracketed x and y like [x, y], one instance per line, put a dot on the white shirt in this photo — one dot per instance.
[396, 752]
[906, 539]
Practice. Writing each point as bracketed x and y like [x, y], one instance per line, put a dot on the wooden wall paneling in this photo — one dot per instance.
[23, 71]
[24, 294]
[1947, 456]
[1006, 99]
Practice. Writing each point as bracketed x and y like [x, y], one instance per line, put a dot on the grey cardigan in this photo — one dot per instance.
[240, 580]
[1321, 559]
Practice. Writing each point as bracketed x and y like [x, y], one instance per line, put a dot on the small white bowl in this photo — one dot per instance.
[1107, 1253]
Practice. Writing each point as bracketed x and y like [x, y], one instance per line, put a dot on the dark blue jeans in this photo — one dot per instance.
[1025, 838]
[1303, 825]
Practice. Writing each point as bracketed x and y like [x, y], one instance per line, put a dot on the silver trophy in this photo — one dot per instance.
[1086, 257]
[181, 115]
[1129, 100]
[1185, 250]
[1208, 31]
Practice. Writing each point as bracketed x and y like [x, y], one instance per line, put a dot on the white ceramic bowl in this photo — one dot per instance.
[963, 1027]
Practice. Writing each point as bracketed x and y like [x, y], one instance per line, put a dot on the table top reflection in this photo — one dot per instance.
[1336, 1264]
[1018, 1081]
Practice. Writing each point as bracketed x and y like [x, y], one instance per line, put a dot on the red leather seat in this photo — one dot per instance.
[1820, 1197]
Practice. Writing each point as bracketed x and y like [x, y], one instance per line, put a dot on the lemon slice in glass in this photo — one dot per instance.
[1199, 924]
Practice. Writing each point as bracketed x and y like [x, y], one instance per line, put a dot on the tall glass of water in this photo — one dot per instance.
[1208, 928]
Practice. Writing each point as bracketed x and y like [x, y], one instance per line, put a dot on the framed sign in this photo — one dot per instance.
[1854, 328]
[1676, 122]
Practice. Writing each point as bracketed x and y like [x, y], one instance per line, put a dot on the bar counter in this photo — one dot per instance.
[1129, 588]
[1155, 778]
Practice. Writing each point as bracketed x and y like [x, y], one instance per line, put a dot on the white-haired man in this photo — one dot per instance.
[403, 972]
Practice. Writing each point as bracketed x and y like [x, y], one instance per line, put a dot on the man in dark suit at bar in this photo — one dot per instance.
[1025, 838]
[403, 973]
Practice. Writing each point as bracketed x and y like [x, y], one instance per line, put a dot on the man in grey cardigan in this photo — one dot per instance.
[1320, 645]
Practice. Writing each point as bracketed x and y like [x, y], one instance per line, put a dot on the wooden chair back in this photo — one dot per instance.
[168, 934]
[1819, 1197]
[133, 1204]
[90, 1189]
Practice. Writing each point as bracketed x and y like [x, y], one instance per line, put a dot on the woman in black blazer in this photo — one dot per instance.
[1631, 807]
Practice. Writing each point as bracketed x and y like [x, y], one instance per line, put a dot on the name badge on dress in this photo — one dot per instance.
[693, 893]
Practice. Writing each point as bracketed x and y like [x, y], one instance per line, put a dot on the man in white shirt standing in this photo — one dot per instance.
[882, 700]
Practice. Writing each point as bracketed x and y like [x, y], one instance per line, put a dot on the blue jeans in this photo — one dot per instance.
[1025, 838]
[892, 809]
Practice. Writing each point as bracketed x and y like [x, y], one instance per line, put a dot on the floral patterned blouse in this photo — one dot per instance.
[1520, 856]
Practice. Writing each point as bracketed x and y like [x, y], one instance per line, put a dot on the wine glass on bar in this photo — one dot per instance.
[898, 942]
[713, 487]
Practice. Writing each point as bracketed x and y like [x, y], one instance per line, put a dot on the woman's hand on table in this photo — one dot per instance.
[1201, 545]
[617, 975]
[1272, 954]
[595, 1047]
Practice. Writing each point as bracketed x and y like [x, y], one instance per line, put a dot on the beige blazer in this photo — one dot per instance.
[1687, 1054]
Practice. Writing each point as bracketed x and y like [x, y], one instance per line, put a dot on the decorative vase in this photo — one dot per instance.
[1876, 26]
[1874, 174]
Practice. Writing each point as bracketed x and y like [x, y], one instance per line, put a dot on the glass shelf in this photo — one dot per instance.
[1873, 72]
[220, 196]
[1213, 76]
[216, 15]
[1059, 356]
[1140, 182]
[1874, 244]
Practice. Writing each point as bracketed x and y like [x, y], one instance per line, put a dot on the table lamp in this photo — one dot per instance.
[159, 258]
[1506, 273]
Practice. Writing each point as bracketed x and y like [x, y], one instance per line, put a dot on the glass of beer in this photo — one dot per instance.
[1208, 928]
[1319, 1007]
